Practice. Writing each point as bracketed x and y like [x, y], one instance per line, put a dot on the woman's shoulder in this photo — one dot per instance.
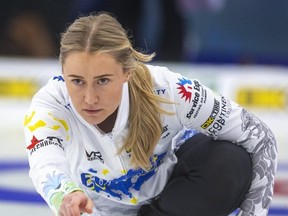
[157, 69]
[160, 74]
[54, 93]
[163, 76]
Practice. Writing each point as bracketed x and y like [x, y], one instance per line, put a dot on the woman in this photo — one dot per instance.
[115, 136]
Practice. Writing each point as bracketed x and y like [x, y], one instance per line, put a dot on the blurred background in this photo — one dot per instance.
[238, 48]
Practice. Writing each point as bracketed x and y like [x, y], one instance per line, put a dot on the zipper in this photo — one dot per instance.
[123, 166]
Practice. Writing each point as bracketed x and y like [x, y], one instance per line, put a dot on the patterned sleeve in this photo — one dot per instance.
[214, 115]
[264, 159]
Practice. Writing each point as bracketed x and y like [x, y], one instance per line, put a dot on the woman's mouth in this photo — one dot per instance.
[92, 111]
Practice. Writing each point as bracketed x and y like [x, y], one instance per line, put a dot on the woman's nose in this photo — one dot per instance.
[91, 96]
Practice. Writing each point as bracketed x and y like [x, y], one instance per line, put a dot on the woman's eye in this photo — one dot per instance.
[77, 82]
[103, 81]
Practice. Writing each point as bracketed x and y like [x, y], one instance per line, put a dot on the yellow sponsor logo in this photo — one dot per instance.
[272, 98]
[207, 123]
[213, 115]
[17, 88]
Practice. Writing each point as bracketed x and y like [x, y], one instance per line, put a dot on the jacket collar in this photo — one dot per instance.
[123, 111]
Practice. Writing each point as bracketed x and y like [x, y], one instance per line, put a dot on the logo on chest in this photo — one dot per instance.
[93, 155]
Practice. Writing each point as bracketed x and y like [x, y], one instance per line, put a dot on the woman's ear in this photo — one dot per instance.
[128, 75]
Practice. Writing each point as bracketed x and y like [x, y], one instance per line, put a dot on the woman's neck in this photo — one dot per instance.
[107, 125]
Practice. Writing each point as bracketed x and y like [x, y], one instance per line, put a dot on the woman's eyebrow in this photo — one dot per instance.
[96, 77]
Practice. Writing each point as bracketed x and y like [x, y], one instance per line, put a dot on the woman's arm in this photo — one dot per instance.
[210, 113]
[229, 121]
[47, 135]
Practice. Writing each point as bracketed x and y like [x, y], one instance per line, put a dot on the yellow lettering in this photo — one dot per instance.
[17, 88]
[262, 97]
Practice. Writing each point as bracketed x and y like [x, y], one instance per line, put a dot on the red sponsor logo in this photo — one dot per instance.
[34, 142]
[185, 87]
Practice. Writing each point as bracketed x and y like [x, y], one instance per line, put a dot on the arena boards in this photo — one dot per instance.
[20, 78]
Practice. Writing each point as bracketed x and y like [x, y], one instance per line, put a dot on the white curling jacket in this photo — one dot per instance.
[67, 154]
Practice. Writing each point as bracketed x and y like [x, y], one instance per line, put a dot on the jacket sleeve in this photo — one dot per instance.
[47, 135]
[210, 113]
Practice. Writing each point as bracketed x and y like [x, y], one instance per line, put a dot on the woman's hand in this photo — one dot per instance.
[75, 203]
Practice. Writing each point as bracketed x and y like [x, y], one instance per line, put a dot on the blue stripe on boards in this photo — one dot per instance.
[282, 167]
[17, 195]
[278, 211]
[13, 165]
[273, 211]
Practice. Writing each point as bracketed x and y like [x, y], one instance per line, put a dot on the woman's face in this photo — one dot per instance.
[94, 83]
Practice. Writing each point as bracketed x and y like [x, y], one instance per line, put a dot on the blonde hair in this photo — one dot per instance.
[102, 33]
